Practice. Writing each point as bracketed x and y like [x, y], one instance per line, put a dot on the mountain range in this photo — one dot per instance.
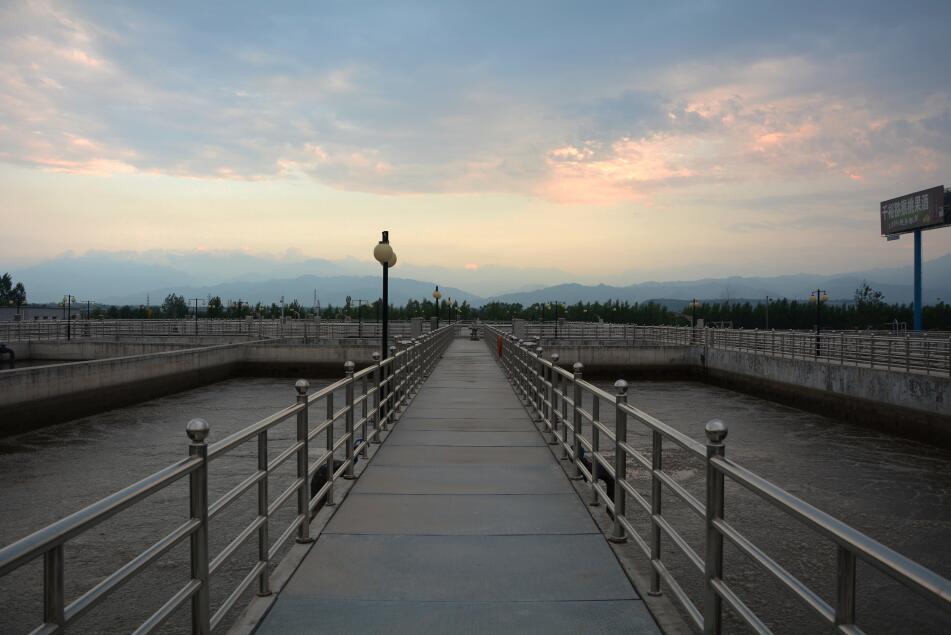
[131, 277]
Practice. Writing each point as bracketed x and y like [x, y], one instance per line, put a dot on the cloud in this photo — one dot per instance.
[596, 107]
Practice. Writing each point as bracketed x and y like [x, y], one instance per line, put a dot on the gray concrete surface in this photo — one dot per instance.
[461, 523]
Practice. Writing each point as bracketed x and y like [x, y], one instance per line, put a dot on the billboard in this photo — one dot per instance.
[921, 210]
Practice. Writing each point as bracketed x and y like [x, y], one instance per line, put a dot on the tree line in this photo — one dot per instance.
[11, 294]
[867, 310]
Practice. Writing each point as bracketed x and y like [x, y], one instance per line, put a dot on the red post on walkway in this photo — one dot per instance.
[500, 346]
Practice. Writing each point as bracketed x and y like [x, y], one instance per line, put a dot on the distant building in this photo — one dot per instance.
[29, 313]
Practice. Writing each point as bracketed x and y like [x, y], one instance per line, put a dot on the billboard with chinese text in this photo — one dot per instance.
[921, 210]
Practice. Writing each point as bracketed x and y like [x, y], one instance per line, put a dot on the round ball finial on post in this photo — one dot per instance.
[620, 387]
[716, 431]
[197, 430]
[539, 350]
[348, 367]
[302, 386]
[555, 357]
[376, 356]
[578, 367]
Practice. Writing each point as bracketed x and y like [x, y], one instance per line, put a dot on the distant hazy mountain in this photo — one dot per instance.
[102, 275]
[128, 277]
[896, 283]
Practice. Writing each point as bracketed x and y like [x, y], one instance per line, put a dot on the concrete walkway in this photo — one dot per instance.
[462, 523]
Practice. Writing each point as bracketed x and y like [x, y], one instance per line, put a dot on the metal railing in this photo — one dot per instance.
[308, 329]
[556, 399]
[388, 384]
[928, 353]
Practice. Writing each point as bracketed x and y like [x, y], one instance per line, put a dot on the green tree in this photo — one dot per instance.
[174, 306]
[6, 286]
[215, 307]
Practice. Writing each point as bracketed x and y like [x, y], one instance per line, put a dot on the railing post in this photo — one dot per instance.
[264, 586]
[54, 601]
[620, 461]
[329, 444]
[376, 397]
[538, 371]
[564, 418]
[595, 448]
[551, 410]
[657, 464]
[348, 367]
[303, 492]
[392, 386]
[576, 475]
[364, 414]
[197, 431]
[555, 412]
[716, 432]
[845, 587]
[907, 354]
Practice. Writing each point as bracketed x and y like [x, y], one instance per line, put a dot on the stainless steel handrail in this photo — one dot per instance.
[79, 329]
[926, 352]
[543, 385]
[398, 377]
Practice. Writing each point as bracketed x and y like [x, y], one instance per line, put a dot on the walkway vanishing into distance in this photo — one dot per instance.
[463, 522]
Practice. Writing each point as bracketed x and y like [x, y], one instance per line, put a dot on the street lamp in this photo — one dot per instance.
[436, 295]
[385, 255]
[818, 296]
[693, 312]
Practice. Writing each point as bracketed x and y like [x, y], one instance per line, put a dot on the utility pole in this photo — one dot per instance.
[196, 313]
[767, 313]
[818, 296]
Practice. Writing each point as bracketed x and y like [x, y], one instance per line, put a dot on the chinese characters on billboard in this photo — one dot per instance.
[921, 210]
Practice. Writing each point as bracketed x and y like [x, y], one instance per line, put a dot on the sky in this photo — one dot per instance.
[630, 139]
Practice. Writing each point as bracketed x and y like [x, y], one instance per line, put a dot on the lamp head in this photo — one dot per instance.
[383, 252]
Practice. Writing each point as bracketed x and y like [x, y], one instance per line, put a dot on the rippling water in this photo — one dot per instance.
[895, 490]
[47, 474]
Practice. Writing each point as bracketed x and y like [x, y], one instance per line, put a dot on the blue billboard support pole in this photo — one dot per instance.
[917, 279]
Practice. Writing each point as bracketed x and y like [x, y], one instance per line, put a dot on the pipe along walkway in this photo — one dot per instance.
[462, 522]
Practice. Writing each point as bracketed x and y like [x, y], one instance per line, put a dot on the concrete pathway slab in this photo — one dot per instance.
[443, 423]
[463, 522]
[461, 569]
[465, 438]
[463, 480]
[437, 456]
[455, 515]
[439, 618]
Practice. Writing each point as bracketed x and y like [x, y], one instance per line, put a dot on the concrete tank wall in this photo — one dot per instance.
[910, 404]
[37, 396]
[615, 360]
[126, 372]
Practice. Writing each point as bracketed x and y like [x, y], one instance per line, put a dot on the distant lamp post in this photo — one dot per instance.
[68, 309]
[385, 255]
[693, 312]
[767, 313]
[436, 295]
[818, 297]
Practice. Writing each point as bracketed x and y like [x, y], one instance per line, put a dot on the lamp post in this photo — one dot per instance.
[818, 296]
[767, 313]
[385, 255]
[68, 307]
[436, 295]
[693, 312]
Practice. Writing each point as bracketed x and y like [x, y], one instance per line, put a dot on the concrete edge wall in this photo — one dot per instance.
[38, 396]
[906, 404]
